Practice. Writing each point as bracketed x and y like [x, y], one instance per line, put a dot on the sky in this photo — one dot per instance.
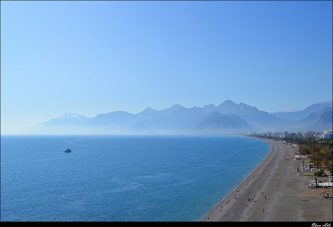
[96, 57]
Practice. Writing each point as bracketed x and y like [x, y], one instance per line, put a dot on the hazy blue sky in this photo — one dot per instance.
[95, 57]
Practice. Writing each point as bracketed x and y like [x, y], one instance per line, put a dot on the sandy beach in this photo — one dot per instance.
[275, 192]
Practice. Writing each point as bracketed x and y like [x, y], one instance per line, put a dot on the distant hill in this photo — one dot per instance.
[227, 117]
[317, 117]
[224, 122]
[67, 119]
[299, 115]
[112, 119]
[323, 122]
[258, 118]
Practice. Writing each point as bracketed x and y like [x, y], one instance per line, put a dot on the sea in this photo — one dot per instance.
[121, 178]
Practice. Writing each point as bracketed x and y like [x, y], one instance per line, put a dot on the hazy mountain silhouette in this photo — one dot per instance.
[227, 117]
[224, 122]
[299, 115]
[67, 119]
[257, 118]
[323, 122]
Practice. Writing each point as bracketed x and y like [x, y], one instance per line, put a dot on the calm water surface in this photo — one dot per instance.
[108, 178]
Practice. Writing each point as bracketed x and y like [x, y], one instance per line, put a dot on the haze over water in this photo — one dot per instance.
[109, 178]
[151, 68]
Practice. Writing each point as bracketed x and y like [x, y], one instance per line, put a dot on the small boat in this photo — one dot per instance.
[68, 151]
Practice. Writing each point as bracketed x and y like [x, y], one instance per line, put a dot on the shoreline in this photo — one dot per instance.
[213, 213]
[273, 191]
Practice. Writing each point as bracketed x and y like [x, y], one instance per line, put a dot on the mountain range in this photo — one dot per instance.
[225, 118]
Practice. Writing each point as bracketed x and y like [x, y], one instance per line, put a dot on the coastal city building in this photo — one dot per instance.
[326, 134]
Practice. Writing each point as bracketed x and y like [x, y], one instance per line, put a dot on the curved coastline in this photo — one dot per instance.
[220, 211]
[274, 191]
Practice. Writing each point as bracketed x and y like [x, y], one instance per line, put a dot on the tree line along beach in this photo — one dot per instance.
[275, 191]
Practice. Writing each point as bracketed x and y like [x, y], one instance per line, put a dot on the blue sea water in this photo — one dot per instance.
[113, 178]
